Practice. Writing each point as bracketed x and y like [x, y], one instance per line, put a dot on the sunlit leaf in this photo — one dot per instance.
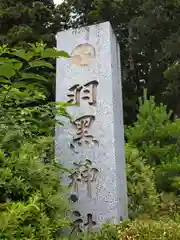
[19, 85]
[7, 60]
[53, 53]
[18, 65]
[32, 76]
[40, 63]
[4, 80]
[7, 70]
[23, 54]
[63, 54]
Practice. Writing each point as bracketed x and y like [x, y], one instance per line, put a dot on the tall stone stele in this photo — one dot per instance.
[93, 142]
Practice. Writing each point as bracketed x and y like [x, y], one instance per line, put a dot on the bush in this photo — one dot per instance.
[142, 195]
[168, 176]
[32, 200]
[157, 138]
[140, 230]
[25, 110]
[154, 134]
[169, 207]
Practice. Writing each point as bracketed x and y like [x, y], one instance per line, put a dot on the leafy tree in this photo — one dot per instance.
[157, 34]
[171, 93]
[31, 21]
[23, 22]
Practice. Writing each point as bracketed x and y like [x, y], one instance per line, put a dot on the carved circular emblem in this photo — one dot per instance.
[83, 54]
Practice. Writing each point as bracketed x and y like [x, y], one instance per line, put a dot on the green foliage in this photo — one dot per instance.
[140, 229]
[156, 137]
[33, 204]
[30, 21]
[142, 195]
[168, 176]
[19, 68]
[169, 207]
[32, 200]
[25, 112]
[172, 76]
[23, 22]
[153, 131]
[18, 124]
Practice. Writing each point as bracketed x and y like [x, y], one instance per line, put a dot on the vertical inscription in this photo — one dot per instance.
[84, 174]
[78, 93]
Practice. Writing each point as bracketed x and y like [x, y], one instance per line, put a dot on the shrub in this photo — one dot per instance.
[140, 230]
[169, 207]
[24, 106]
[32, 200]
[142, 195]
[154, 134]
[168, 176]
[157, 138]
[149, 230]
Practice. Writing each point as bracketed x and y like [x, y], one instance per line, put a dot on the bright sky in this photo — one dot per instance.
[58, 1]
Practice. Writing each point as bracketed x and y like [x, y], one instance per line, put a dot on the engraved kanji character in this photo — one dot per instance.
[90, 222]
[83, 174]
[83, 125]
[75, 180]
[75, 95]
[77, 224]
[89, 176]
[90, 92]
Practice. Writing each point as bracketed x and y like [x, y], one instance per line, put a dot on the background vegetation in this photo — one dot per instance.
[33, 203]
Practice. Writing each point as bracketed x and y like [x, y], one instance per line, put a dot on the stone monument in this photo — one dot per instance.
[93, 142]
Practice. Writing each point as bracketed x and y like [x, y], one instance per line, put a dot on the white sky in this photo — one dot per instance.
[58, 1]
